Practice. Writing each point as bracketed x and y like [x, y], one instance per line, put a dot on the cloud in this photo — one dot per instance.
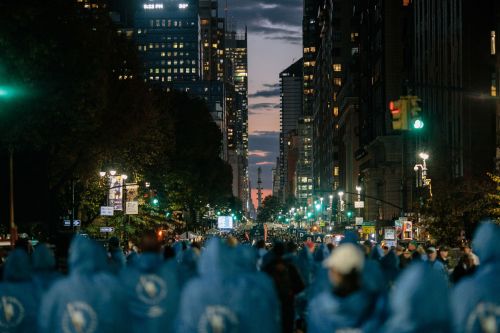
[264, 106]
[265, 163]
[258, 153]
[274, 19]
[274, 91]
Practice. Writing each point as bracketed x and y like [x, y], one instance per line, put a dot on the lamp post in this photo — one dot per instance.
[341, 205]
[358, 189]
[423, 181]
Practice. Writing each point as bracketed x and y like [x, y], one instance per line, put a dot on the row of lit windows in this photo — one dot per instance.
[170, 23]
[163, 78]
[125, 77]
[181, 70]
[308, 91]
[163, 46]
[337, 81]
[180, 62]
[309, 63]
[337, 67]
[309, 49]
[308, 77]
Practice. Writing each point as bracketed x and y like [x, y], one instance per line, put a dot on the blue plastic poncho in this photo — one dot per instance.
[476, 299]
[187, 262]
[419, 302]
[89, 299]
[44, 267]
[152, 293]
[359, 311]
[390, 266]
[363, 310]
[117, 260]
[228, 296]
[18, 297]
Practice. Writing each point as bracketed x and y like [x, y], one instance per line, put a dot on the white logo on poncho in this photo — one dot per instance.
[151, 290]
[486, 316]
[11, 312]
[218, 319]
[79, 317]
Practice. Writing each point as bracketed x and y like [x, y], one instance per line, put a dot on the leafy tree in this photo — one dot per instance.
[269, 209]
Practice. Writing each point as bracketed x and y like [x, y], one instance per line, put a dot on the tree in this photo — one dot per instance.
[269, 209]
[456, 207]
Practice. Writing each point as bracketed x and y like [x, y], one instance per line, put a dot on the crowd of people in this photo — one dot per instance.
[224, 286]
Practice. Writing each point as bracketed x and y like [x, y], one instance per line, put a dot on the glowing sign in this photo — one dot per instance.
[153, 6]
[183, 5]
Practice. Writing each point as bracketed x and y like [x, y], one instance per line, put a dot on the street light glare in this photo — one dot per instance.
[102, 173]
[112, 172]
[124, 177]
[341, 193]
[358, 188]
[424, 156]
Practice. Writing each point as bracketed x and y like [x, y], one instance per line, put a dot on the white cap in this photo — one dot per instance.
[345, 258]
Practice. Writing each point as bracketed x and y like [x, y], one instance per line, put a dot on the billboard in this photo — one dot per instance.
[225, 222]
[116, 192]
[132, 204]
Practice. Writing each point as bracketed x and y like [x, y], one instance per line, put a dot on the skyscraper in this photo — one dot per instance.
[236, 55]
[291, 110]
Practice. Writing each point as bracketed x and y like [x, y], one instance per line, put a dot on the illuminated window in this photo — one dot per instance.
[162, 54]
[313, 49]
[337, 81]
[336, 111]
[337, 67]
[493, 43]
[406, 3]
[336, 171]
[493, 85]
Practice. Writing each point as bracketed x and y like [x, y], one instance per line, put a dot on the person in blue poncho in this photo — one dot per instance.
[476, 299]
[419, 302]
[348, 305]
[151, 289]
[228, 296]
[89, 300]
[44, 267]
[18, 297]
[116, 257]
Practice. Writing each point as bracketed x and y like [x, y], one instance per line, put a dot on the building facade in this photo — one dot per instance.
[291, 110]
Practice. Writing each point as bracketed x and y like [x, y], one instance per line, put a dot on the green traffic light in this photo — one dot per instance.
[349, 214]
[155, 201]
[418, 124]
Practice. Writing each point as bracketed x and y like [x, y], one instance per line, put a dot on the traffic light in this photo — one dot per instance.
[349, 214]
[415, 113]
[399, 114]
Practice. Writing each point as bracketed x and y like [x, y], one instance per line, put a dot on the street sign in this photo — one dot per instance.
[359, 221]
[132, 208]
[76, 223]
[107, 229]
[359, 204]
[390, 233]
[107, 211]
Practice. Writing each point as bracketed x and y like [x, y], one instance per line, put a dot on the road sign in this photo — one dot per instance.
[76, 223]
[359, 204]
[359, 221]
[132, 208]
[107, 211]
[107, 229]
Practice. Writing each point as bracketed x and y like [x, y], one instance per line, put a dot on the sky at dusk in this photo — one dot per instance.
[274, 43]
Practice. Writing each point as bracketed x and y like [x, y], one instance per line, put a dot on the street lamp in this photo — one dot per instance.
[112, 172]
[423, 167]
